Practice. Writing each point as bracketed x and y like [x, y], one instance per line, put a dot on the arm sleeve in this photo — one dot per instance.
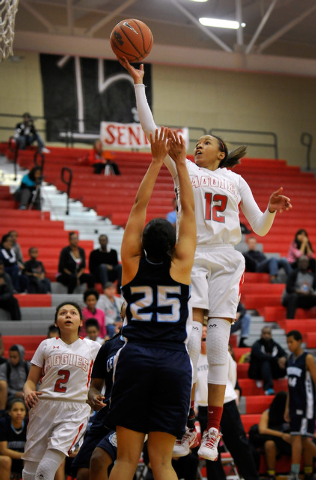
[260, 222]
[148, 124]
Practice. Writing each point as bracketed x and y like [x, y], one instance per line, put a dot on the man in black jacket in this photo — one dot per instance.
[26, 134]
[7, 300]
[300, 289]
[267, 361]
[103, 264]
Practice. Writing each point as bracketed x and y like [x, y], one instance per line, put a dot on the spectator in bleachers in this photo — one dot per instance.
[172, 216]
[35, 271]
[243, 320]
[16, 247]
[267, 361]
[258, 262]
[232, 428]
[12, 440]
[300, 291]
[7, 300]
[111, 306]
[102, 160]
[11, 267]
[13, 375]
[90, 298]
[29, 191]
[272, 434]
[104, 265]
[26, 134]
[52, 331]
[93, 330]
[301, 246]
[72, 264]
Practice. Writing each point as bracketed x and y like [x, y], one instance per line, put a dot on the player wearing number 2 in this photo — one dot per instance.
[152, 377]
[218, 268]
[59, 412]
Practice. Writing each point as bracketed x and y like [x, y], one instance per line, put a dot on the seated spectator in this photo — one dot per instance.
[110, 304]
[12, 440]
[52, 331]
[104, 265]
[301, 246]
[267, 361]
[13, 375]
[16, 247]
[7, 300]
[90, 298]
[72, 264]
[300, 291]
[29, 192]
[93, 330]
[172, 216]
[102, 160]
[26, 134]
[272, 433]
[35, 270]
[243, 320]
[7, 256]
[258, 262]
[231, 425]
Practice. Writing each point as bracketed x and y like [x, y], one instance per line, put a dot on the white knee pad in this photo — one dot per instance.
[29, 470]
[49, 465]
[218, 332]
[194, 347]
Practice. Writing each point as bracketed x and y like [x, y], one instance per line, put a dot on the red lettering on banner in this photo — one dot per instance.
[134, 135]
[109, 131]
[120, 135]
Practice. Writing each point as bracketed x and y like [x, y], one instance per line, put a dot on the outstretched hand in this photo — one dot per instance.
[137, 75]
[160, 145]
[279, 202]
[177, 148]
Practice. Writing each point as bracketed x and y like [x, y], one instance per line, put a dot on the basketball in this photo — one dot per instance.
[131, 39]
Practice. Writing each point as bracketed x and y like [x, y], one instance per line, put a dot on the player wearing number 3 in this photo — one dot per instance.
[152, 377]
[218, 268]
[59, 412]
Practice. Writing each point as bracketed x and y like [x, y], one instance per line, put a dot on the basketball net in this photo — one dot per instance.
[8, 9]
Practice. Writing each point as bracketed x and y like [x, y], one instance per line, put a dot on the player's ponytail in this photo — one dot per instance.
[231, 158]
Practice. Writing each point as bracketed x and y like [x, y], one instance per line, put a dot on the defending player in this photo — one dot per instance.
[152, 383]
[300, 406]
[218, 268]
[59, 412]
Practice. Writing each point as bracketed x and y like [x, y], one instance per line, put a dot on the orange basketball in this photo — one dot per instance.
[131, 39]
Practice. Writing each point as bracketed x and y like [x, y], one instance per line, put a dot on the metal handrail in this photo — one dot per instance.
[67, 182]
[273, 145]
[308, 144]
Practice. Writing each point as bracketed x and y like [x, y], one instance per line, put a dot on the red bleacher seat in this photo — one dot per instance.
[239, 352]
[34, 300]
[250, 419]
[249, 386]
[258, 403]
[29, 342]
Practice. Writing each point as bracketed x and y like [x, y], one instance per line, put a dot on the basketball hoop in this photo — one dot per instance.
[8, 9]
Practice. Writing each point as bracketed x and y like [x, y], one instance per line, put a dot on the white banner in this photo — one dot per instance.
[130, 135]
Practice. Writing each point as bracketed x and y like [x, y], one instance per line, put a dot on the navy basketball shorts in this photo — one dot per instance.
[151, 389]
[109, 445]
[302, 426]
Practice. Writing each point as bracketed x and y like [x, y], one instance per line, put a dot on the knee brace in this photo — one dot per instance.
[49, 465]
[218, 331]
[194, 347]
[29, 470]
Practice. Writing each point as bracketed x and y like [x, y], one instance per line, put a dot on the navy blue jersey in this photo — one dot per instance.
[157, 306]
[301, 387]
[104, 362]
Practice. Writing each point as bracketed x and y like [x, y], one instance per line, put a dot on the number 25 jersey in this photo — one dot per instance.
[66, 369]
[157, 306]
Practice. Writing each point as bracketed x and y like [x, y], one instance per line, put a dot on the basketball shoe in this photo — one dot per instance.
[209, 443]
[182, 446]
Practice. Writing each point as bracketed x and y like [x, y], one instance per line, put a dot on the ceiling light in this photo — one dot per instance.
[217, 22]
[199, 0]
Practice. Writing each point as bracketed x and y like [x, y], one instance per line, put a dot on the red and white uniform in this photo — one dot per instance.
[59, 419]
[218, 268]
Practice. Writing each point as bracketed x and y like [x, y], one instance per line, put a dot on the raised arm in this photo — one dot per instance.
[131, 249]
[185, 248]
[145, 115]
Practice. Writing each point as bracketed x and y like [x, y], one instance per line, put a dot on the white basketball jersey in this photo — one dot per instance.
[66, 368]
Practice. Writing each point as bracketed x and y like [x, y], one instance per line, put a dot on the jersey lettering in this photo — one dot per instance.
[60, 383]
[292, 381]
[166, 297]
[214, 205]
